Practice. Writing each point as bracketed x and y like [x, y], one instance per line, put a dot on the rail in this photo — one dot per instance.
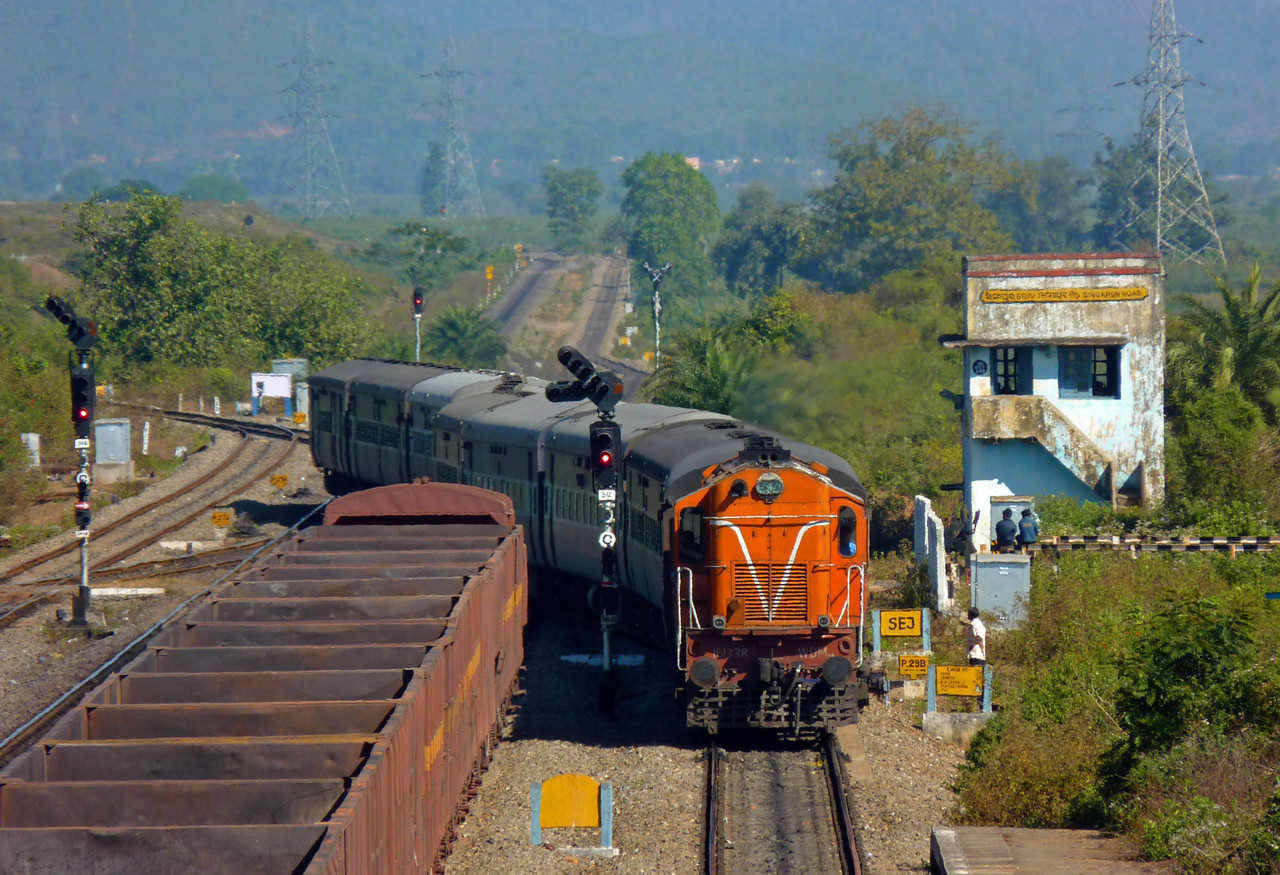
[840, 806]
[17, 739]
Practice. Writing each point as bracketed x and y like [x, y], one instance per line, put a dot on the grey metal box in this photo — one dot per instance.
[111, 440]
[1000, 584]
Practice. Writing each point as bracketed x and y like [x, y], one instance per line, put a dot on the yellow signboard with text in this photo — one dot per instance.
[913, 665]
[1062, 296]
[904, 624]
[221, 518]
[959, 680]
[279, 481]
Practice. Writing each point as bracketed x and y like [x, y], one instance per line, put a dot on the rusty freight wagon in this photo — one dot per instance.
[322, 712]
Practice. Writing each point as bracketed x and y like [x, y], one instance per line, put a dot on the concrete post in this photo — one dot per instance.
[986, 689]
[925, 644]
[931, 689]
[875, 632]
[217, 406]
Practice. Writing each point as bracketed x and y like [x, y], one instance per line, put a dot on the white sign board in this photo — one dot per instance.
[271, 385]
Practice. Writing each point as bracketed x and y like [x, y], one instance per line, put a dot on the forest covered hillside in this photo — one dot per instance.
[161, 91]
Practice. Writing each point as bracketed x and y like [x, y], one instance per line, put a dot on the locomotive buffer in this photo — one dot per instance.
[604, 389]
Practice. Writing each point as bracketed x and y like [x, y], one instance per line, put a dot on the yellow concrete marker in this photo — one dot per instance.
[573, 800]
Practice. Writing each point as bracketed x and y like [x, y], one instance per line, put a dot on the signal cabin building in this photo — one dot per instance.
[1064, 381]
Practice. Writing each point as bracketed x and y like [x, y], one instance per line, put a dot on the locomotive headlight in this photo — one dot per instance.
[717, 622]
[824, 621]
[769, 486]
[704, 671]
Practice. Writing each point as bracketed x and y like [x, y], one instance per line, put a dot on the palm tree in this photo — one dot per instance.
[1237, 344]
[463, 336]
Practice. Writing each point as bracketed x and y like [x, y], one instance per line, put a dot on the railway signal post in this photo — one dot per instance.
[83, 333]
[419, 296]
[604, 389]
[656, 275]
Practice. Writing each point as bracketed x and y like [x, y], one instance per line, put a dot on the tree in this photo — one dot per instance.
[759, 240]
[1238, 344]
[573, 196]
[907, 189]
[80, 184]
[165, 289]
[715, 360]
[464, 336]
[213, 187]
[430, 254]
[1049, 214]
[672, 216]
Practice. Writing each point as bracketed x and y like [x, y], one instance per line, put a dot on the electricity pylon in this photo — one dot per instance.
[459, 193]
[312, 167]
[1168, 193]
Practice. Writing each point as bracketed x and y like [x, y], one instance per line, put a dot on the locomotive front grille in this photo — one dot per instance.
[785, 589]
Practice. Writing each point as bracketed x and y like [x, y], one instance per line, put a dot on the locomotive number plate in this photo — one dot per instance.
[913, 665]
[221, 518]
[959, 680]
[904, 624]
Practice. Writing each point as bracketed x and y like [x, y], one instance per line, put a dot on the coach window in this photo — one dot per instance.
[691, 548]
[1089, 372]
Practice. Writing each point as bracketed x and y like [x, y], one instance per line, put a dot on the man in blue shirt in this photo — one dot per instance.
[1006, 533]
[1028, 528]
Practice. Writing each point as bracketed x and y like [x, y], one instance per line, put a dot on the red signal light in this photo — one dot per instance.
[82, 505]
[82, 413]
[606, 458]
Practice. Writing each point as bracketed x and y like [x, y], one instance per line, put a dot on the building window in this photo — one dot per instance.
[1011, 370]
[1089, 372]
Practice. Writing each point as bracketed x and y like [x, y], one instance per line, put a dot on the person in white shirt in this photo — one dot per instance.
[977, 639]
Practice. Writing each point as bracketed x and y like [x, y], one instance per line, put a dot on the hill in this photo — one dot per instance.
[164, 91]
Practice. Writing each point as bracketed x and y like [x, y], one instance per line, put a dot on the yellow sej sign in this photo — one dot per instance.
[959, 680]
[913, 665]
[1061, 296]
[905, 624]
[279, 481]
[221, 518]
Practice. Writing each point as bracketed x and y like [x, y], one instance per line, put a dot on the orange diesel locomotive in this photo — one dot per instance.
[746, 548]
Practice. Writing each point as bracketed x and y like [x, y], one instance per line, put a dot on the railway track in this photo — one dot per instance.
[126, 536]
[778, 809]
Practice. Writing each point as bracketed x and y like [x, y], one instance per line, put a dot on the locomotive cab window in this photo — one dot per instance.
[847, 532]
[691, 546]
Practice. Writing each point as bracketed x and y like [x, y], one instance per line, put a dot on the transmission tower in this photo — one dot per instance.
[1168, 194]
[459, 191]
[312, 166]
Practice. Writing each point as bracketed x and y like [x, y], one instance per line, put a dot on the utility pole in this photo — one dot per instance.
[655, 277]
[84, 334]
[460, 192]
[1168, 189]
[313, 169]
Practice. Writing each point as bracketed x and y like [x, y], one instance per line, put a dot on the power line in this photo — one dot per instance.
[1168, 193]
[312, 169]
[459, 192]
